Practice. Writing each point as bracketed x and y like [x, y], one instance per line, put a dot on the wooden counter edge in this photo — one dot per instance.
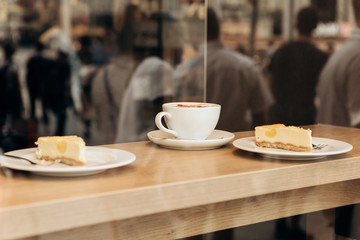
[121, 205]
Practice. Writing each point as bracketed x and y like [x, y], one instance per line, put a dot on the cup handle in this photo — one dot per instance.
[159, 124]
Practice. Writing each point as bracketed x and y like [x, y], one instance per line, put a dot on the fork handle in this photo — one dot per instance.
[18, 157]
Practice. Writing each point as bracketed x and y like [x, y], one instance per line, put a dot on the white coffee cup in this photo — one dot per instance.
[189, 120]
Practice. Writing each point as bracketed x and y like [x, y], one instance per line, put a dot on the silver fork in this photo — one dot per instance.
[41, 162]
[319, 146]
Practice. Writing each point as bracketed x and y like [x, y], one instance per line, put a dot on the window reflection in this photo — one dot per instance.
[108, 37]
[118, 51]
[113, 38]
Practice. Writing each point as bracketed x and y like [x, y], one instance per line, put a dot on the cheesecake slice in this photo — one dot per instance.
[284, 137]
[70, 149]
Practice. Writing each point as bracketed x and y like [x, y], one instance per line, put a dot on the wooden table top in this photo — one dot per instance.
[162, 180]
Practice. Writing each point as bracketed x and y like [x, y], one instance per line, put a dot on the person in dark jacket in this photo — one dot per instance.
[56, 90]
[294, 71]
[35, 68]
[11, 105]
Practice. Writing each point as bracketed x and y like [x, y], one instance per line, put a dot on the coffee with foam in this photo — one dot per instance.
[201, 105]
[189, 120]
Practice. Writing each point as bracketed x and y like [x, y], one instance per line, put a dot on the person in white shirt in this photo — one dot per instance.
[110, 83]
[339, 104]
[149, 87]
[339, 85]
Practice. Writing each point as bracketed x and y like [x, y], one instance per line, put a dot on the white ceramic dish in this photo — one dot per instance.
[99, 159]
[216, 139]
[333, 147]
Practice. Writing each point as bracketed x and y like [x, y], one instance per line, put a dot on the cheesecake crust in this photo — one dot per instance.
[284, 146]
[65, 160]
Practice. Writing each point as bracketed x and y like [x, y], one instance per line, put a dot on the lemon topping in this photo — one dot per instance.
[61, 146]
[270, 132]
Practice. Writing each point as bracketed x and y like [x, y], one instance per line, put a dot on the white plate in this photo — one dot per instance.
[333, 147]
[216, 139]
[99, 159]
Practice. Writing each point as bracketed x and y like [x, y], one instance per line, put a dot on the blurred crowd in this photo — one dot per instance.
[117, 84]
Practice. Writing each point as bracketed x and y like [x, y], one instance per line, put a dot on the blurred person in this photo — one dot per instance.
[88, 73]
[55, 39]
[338, 84]
[99, 49]
[105, 47]
[293, 71]
[55, 94]
[339, 104]
[232, 80]
[110, 83]
[48, 78]
[11, 105]
[85, 49]
[35, 76]
[150, 86]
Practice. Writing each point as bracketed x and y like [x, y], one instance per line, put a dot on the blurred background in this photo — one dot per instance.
[89, 35]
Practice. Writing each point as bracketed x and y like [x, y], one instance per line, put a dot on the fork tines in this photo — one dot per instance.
[319, 146]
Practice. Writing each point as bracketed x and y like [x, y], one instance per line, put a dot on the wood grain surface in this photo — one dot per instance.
[167, 194]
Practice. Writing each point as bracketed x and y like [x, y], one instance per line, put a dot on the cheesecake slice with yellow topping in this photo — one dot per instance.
[284, 137]
[69, 149]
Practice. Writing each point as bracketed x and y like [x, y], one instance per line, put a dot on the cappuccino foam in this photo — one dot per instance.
[201, 105]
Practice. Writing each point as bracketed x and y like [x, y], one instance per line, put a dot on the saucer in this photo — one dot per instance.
[216, 139]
